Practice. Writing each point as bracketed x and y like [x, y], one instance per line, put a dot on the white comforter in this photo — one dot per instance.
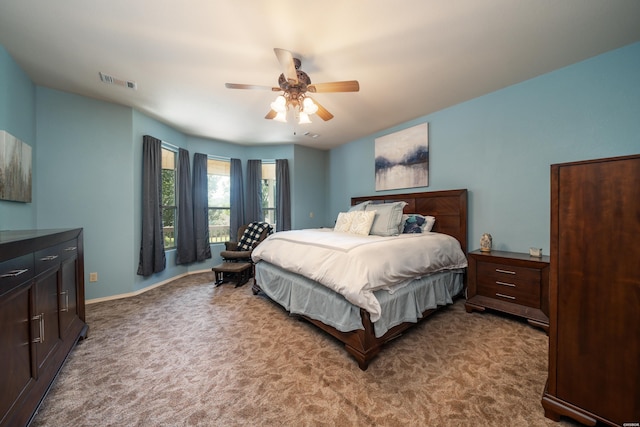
[355, 266]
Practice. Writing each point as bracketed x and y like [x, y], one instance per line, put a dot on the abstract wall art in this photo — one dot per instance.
[15, 169]
[402, 159]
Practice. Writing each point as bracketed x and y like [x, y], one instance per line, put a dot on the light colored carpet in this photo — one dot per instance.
[191, 354]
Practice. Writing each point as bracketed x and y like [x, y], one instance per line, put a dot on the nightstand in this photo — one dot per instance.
[510, 282]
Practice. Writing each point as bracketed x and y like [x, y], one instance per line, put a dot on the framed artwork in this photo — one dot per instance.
[15, 169]
[402, 159]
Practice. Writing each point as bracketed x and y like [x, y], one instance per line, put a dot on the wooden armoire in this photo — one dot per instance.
[594, 292]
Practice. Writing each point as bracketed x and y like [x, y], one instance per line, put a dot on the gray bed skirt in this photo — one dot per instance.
[300, 295]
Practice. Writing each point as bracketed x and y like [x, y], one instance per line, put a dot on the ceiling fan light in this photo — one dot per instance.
[279, 105]
[309, 106]
[303, 118]
[280, 117]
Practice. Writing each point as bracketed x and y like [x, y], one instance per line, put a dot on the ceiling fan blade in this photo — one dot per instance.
[253, 87]
[322, 112]
[285, 58]
[270, 115]
[346, 86]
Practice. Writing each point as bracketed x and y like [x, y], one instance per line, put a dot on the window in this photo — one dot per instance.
[169, 209]
[219, 189]
[269, 192]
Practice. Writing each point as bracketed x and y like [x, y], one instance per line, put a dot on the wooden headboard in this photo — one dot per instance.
[448, 207]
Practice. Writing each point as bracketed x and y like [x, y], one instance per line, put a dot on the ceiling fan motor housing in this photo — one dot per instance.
[303, 81]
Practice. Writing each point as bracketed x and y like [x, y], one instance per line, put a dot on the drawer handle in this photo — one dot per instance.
[505, 271]
[511, 285]
[14, 273]
[49, 258]
[504, 296]
[40, 319]
[71, 248]
[66, 300]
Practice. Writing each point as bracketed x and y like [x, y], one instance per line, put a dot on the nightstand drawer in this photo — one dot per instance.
[519, 285]
[523, 295]
[503, 272]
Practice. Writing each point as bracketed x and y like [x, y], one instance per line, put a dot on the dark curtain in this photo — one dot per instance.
[152, 257]
[283, 196]
[237, 199]
[254, 191]
[201, 207]
[185, 241]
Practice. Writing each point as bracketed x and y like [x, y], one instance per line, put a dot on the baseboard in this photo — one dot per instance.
[141, 291]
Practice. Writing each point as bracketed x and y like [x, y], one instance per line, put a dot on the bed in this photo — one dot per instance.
[372, 315]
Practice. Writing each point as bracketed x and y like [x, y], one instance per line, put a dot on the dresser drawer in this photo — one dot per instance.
[15, 271]
[51, 257]
[519, 285]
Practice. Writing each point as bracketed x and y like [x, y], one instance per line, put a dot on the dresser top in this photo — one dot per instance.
[14, 235]
[14, 243]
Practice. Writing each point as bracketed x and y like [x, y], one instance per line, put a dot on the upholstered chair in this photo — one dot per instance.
[236, 251]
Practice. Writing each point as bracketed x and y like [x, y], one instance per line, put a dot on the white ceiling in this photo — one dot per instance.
[411, 57]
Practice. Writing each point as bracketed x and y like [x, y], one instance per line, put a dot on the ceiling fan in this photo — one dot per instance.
[296, 85]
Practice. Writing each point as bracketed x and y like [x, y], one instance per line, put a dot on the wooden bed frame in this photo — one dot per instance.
[450, 209]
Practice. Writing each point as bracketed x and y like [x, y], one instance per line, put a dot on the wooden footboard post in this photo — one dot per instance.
[363, 345]
[255, 288]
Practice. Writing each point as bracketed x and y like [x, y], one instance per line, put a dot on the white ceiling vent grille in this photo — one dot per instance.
[119, 82]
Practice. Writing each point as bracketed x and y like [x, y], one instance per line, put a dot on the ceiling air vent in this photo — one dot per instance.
[119, 82]
[311, 135]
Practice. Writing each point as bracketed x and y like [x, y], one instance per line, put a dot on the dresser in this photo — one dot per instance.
[509, 282]
[594, 292]
[42, 314]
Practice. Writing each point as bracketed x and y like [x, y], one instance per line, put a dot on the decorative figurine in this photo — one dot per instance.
[485, 242]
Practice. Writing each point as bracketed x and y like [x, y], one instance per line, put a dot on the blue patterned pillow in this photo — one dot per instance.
[413, 224]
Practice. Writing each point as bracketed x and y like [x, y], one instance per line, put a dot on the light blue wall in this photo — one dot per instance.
[309, 187]
[17, 117]
[500, 146]
[85, 161]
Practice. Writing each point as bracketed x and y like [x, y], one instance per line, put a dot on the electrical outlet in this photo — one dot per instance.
[93, 277]
[310, 214]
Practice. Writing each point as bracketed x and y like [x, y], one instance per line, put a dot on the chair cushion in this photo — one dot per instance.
[251, 236]
[235, 255]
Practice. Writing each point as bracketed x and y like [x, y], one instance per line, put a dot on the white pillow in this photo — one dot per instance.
[429, 224]
[343, 223]
[361, 223]
[388, 218]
